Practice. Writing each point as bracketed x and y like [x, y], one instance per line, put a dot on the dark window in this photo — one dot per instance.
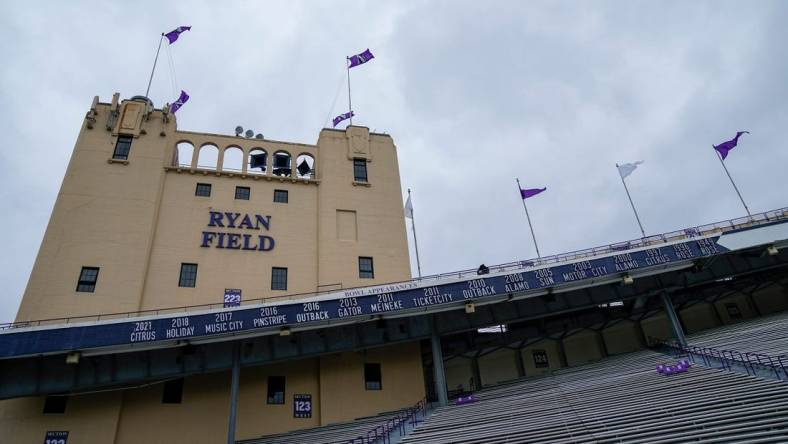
[359, 170]
[87, 279]
[365, 268]
[122, 148]
[278, 278]
[276, 389]
[203, 189]
[173, 392]
[242, 193]
[280, 196]
[55, 404]
[372, 379]
[188, 275]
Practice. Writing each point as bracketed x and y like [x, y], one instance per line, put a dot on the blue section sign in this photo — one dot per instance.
[302, 406]
[347, 304]
[232, 297]
[56, 438]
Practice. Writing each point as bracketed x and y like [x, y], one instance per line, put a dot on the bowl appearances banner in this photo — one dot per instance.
[375, 300]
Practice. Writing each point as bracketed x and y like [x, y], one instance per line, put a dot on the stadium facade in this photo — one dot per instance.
[149, 217]
[197, 287]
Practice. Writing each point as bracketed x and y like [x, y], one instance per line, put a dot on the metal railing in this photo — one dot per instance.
[728, 359]
[382, 432]
[678, 235]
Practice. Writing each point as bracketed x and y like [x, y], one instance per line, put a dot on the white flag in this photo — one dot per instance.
[627, 168]
[409, 209]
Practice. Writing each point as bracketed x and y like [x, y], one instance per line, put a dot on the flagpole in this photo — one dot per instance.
[349, 102]
[415, 241]
[161, 39]
[719, 156]
[527, 216]
[631, 203]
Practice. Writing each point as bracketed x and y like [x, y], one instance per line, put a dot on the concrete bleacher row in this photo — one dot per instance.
[338, 433]
[619, 399]
[767, 335]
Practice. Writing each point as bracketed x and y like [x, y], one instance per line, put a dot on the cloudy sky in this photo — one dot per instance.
[474, 93]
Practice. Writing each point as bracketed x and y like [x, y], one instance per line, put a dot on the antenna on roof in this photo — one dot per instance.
[238, 130]
[249, 133]
[259, 136]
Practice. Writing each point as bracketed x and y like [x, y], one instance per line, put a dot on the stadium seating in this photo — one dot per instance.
[766, 335]
[619, 399]
[339, 433]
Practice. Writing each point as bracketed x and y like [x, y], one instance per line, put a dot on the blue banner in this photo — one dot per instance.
[378, 300]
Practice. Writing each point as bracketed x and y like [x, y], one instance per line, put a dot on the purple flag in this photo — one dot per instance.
[342, 117]
[724, 147]
[179, 103]
[172, 36]
[530, 192]
[360, 59]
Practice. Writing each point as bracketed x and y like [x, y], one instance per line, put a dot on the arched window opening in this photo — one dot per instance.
[281, 165]
[183, 155]
[305, 166]
[258, 161]
[209, 157]
[233, 159]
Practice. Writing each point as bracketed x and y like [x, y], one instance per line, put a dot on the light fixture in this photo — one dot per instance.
[470, 307]
[73, 357]
[772, 250]
[284, 331]
[627, 280]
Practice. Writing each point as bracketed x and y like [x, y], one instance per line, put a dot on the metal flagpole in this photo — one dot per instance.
[154, 65]
[349, 102]
[415, 242]
[527, 216]
[732, 182]
[631, 203]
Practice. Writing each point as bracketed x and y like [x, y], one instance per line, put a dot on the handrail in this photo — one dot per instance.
[687, 233]
[396, 422]
[748, 360]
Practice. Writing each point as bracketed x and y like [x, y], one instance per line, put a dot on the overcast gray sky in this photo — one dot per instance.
[474, 93]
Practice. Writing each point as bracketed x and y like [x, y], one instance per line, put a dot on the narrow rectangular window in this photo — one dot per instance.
[280, 196]
[87, 279]
[188, 275]
[173, 392]
[55, 404]
[278, 278]
[360, 170]
[203, 190]
[242, 193]
[365, 268]
[372, 377]
[122, 148]
[276, 390]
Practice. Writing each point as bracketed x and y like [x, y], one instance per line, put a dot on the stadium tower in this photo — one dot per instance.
[149, 217]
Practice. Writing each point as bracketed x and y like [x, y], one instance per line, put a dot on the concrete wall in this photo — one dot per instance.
[459, 373]
[342, 393]
[623, 337]
[698, 317]
[771, 299]
[88, 418]
[498, 366]
[582, 347]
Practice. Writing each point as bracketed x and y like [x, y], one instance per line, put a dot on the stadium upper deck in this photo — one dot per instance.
[560, 273]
